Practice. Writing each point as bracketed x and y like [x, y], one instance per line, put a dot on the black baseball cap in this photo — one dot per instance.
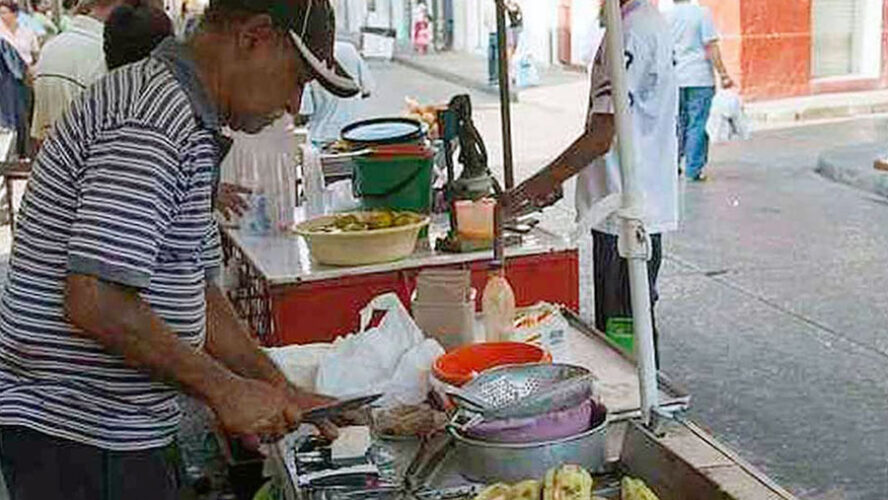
[311, 25]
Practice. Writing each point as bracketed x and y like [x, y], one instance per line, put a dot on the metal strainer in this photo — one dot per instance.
[516, 391]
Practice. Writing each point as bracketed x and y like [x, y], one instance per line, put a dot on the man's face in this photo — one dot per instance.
[264, 78]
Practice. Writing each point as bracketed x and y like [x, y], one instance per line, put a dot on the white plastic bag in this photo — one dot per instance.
[393, 358]
[339, 197]
[299, 363]
[727, 122]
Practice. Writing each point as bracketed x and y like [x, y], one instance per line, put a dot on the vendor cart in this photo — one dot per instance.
[679, 460]
[287, 298]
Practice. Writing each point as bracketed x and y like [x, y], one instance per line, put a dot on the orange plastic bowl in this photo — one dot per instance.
[460, 365]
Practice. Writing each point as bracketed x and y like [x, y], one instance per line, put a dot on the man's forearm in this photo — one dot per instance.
[229, 342]
[594, 143]
[714, 54]
[116, 317]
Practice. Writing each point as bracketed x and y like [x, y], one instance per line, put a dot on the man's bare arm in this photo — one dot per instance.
[544, 188]
[229, 342]
[594, 143]
[116, 317]
[713, 53]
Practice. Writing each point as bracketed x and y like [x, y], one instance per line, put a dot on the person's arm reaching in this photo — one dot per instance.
[117, 318]
[545, 186]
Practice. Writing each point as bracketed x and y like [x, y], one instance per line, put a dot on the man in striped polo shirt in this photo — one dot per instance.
[109, 308]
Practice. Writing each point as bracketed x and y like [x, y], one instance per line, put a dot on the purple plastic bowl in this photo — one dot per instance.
[555, 425]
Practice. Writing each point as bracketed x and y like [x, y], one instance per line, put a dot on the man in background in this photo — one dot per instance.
[132, 32]
[653, 96]
[697, 58]
[328, 114]
[69, 64]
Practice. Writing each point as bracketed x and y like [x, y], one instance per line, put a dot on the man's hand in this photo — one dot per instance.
[726, 81]
[231, 200]
[540, 191]
[248, 407]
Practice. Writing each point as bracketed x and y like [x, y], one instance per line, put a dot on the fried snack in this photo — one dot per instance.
[568, 482]
[407, 421]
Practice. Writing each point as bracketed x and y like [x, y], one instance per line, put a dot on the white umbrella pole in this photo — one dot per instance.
[634, 242]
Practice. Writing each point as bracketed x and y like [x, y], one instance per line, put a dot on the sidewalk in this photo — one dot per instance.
[853, 165]
[470, 70]
[816, 107]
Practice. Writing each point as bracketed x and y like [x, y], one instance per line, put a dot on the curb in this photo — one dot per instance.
[453, 77]
[789, 115]
[853, 166]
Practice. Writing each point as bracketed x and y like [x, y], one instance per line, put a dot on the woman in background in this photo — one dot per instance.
[21, 37]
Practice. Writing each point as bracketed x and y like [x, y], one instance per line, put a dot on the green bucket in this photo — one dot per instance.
[402, 182]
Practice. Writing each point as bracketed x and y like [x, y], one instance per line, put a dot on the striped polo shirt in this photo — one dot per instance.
[121, 190]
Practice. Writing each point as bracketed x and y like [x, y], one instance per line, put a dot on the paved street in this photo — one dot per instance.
[774, 305]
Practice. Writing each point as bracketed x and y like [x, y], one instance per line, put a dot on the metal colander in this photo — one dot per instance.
[516, 391]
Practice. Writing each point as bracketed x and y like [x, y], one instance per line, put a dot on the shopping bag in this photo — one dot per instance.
[727, 121]
[392, 358]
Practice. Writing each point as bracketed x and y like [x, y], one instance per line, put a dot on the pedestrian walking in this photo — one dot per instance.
[653, 98]
[110, 308]
[697, 59]
[422, 30]
[515, 18]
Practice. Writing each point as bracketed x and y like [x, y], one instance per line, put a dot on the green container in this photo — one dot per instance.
[622, 333]
[400, 182]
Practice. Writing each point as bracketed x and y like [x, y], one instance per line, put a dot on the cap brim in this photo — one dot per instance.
[331, 76]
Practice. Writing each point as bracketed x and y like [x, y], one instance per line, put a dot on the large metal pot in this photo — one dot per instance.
[489, 462]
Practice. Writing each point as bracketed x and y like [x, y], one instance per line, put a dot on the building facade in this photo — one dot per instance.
[783, 48]
[773, 48]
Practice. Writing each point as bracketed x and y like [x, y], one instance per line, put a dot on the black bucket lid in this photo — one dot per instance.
[379, 131]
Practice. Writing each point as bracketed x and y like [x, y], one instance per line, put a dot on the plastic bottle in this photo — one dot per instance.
[498, 308]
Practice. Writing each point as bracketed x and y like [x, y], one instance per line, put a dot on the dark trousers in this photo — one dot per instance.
[611, 275]
[37, 466]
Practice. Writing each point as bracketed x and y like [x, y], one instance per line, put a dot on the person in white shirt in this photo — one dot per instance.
[327, 113]
[653, 97]
[20, 36]
[697, 58]
[70, 63]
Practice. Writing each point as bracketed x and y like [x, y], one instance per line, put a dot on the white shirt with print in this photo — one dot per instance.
[653, 96]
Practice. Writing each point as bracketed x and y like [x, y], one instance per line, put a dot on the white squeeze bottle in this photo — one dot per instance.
[498, 308]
